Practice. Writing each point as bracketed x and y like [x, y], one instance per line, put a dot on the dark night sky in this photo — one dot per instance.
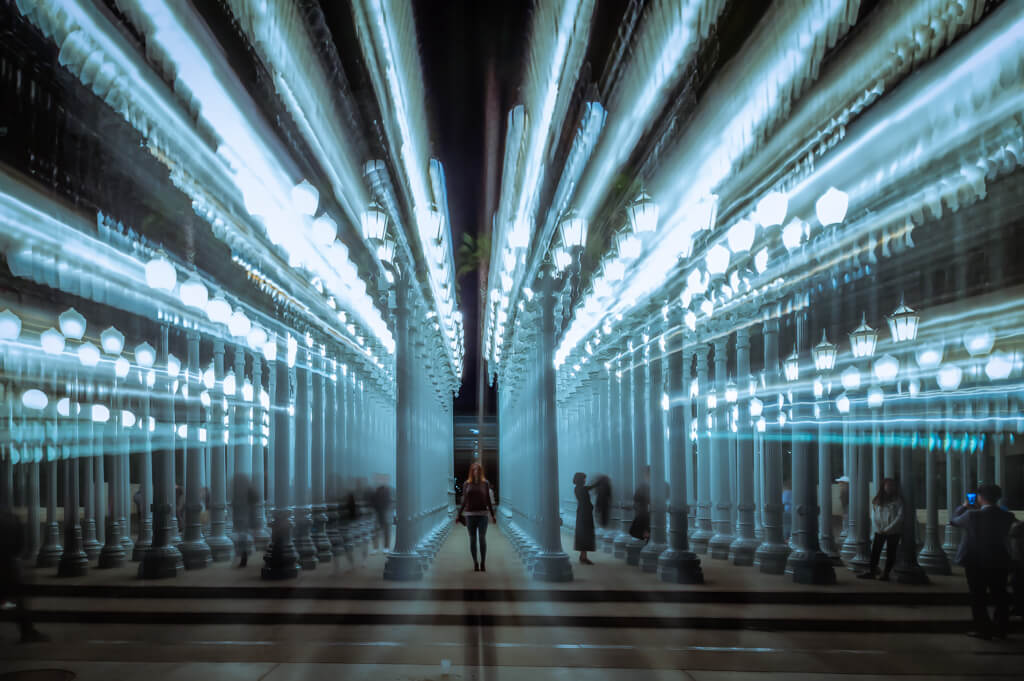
[460, 41]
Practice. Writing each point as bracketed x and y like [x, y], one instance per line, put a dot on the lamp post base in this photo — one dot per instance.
[742, 551]
[222, 549]
[771, 558]
[403, 567]
[619, 544]
[813, 568]
[51, 550]
[633, 549]
[649, 556]
[160, 562]
[910, 573]
[680, 567]
[553, 567]
[195, 553]
[934, 561]
[719, 545]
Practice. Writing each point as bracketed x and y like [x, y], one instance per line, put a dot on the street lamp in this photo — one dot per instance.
[72, 324]
[791, 367]
[374, 222]
[52, 341]
[643, 214]
[824, 354]
[10, 325]
[903, 323]
[863, 340]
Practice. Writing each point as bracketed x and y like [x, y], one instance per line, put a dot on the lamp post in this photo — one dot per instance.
[824, 355]
[51, 549]
[863, 340]
[113, 554]
[772, 553]
[745, 545]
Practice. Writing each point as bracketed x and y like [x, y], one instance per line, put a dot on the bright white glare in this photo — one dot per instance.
[793, 234]
[628, 246]
[850, 378]
[875, 397]
[204, 399]
[886, 368]
[696, 282]
[741, 236]
[52, 341]
[562, 258]
[239, 324]
[325, 230]
[998, 367]
[843, 403]
[949, 377]
[112, 341]
[247, 390]
[72, 324]
[716, 260]
[127, 418]
[664, 402]
[218, 310]
[193, 293]
[978, 340]
[305, 197]
[34, 399]
[707, 307]
[929, 357]
[831, 207]
[209, 379]
[88, 354]
[145, 355]
[761, 260]
[173, 366]
[756, 407]
[691, 320]
[771, 209]
[122, 367]
[819, 388]
[643, 214]
[374, 223]
[100, 414]
[270, 350]
[614, 270]
[161, 274]
[574, 231]
[64, 406]
[10, 325]
[257, 337]
[229, 384]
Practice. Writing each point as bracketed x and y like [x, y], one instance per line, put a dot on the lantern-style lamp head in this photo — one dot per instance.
[173, 366]
[643, 214]
[88, 355]
[52, 341]
[824, 354]
[562, 258]
[978, 340]
[10, 325]
[731, 392]
[712, 399]
[145, 355]
[998, 367]
[875, 397]
[121, 367]
[831, 207]
[791, 367]
[887, 368]
[843, 403]
[112, 341]
[929, 356]
[903, 323]
[375, 222]
[386, 251]
[756, 407]
[574, 231]
[72, 324]
[863, 340]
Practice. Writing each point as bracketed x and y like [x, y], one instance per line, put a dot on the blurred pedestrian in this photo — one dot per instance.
[1017, 567]
[641, 527]
[985, 556]
[244, 506]
[476, 506]
[380, 501]
[584, 540]
[12, 583]
[602, 500]
[887, 519]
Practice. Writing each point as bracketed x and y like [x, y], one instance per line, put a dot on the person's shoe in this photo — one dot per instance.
[33, 635]
[586, 561]
[476, 567]
[884, 577]
[984, 636]
[866, 575]
[483, 568]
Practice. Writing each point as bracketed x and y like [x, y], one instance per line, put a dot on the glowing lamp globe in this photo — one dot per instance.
[741, 236]
[270, 351]
[122, 367]
[72, 324]
[791, 367]
[431, 224]
[998, 367]
[761, 261]
[145, 355]
[173, 366]
[831, 207]
[771, 209]
[978, 340]
[850, 378]
[731, 392]
[305, 198]
[52, 341]
[793, 234]
[886, 368]
[690, 317]
[903, 324]
[716, 260]
[112, 341]
[193, 293]
[100, 414]
[843, 404]
[386, 251]
[929, 356]
[247, 390]
[562, 258]
[257, 337]
[643, 214]
[34, 399]
[324, 230]
[374, 222]
[756, 407]
[628, 246]
[712, 400]
[209, 378]
[239, 325]
[127, 418]
[824, 354]
[161, 275]
[10, 325]
[819, 388]
[229, 384]
[875, 397]
[949, 376]
[614, 270]
[219, 310]
[573, 229]
[863, 340]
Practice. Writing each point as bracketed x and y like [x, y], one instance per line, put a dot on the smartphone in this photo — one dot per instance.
[972, 498]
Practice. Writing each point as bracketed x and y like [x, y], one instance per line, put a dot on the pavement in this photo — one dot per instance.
[613, 622]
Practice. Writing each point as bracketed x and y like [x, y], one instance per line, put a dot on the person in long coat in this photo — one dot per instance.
[584, 540]
[603, 500]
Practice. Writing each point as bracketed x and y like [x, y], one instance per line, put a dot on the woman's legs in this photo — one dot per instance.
[482, 529]
[892, 544]
[471, 528]
[876, 554]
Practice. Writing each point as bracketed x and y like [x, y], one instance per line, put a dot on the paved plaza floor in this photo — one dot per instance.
[612, 622]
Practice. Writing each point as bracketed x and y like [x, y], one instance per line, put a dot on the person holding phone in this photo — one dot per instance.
[985, 556]
[476, 506]
[887, 519]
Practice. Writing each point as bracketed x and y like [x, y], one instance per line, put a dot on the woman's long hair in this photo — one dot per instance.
[881, 499]
[476, 466]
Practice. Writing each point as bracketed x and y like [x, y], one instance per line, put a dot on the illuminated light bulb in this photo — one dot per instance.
[643, 214]
[761, 261]
[127, 418]
[562, 258]
[793, 234]
[771, 209]
[914, 387]
[712, 400]
[628, 246]
[182, 431]
[716, 260]
[112, 341]
[998, 367]
[173, 366]
[756, 407]
[269, 350]
[209, 379]
[239, 325]
[247, 390]
[325, 230]
[886, 368]
[72, 324]
[850, 378]
[929, 357]
[64, 406]
[831, 207]
[843, 404]
[122, 367]
[204, 398]
[305, 198]
[691, 320]
[34, 399]
[193, 293]
[219, 310]
[863, 340]
[229, 384]
[10, 325]
[707, 307]
[257, 337]
[819, 388]
[386, 251]
[875, 397]
[614, 270]
[161, 275]
[978, 340]
[374, 222]
[741, 236]
[573, 230]
[791, 367]
[100, 414]
[88, 354]
[949, 376]
[145, 355]
[52, 341]
[903, 323]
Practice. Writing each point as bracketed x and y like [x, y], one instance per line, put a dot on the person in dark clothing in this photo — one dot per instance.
[602, 500]
[476, 506]
[12, 586]
[584, 540]
[244, 502]
[380, 500]
[985, 556]
[641, 527]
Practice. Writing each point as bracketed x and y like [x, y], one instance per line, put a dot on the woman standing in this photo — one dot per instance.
[887, 518]
[584, 519]
[476, 506]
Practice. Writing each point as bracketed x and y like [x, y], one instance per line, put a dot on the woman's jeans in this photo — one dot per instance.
[892, 543]
[477, 524]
